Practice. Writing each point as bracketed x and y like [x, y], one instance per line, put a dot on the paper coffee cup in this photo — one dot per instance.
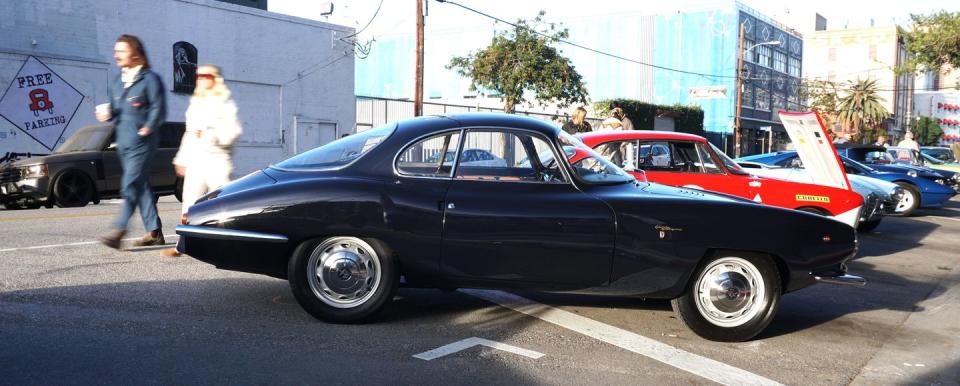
[103, 109]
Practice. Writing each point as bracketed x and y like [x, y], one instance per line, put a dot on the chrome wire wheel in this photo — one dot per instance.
[730, 292]
[344, 272]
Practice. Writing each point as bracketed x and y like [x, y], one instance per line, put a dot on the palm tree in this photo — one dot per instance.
[861, 108]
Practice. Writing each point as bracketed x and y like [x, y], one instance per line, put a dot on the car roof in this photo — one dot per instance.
[604, 136]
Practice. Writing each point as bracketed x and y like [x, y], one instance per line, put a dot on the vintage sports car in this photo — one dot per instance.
[939, 152]
[84, 169]
[911, 157]
[689, 160]
[348, 222]
[919, 192]
[934, 163]
[878, 158]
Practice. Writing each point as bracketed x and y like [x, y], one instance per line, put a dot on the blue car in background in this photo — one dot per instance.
[878, 158]
[920, 190]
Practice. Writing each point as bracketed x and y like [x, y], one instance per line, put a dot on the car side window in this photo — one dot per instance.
[430, 157]
[502, 155]
[707, 162]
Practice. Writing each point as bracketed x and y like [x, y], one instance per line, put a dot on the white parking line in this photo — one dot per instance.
[461, 345]
[70, 244]
[705, 367]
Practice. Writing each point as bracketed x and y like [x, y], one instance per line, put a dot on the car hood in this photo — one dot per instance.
[58, 158]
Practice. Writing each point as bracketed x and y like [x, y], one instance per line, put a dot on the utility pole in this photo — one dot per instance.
[418, 84]
[736, 126]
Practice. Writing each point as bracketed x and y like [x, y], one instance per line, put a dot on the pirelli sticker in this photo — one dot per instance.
[809, 198]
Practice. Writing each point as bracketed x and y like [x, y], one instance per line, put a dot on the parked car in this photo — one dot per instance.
[84, 169]
[912, 157]
[688, 160]
[935, 163]
[918, 192]
[939, 152]
[878, 158]
[343, 223]
[879, 197]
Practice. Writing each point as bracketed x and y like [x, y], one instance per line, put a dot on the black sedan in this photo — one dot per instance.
[348, 222]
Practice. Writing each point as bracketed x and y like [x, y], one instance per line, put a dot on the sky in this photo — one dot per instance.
[397, 16]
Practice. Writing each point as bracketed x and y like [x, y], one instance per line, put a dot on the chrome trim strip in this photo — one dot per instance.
[850, 280]
[228, 234]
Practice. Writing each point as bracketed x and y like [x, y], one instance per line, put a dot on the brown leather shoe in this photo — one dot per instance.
[171, 252]
[113, 238]
[150, 239]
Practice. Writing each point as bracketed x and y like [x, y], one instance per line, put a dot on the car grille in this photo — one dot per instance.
[871, 207]
[10, 175]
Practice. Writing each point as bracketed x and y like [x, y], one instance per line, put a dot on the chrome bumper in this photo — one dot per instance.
[851, 280]
[228, 234]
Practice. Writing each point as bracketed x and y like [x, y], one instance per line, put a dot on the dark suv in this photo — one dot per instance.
[84, 169]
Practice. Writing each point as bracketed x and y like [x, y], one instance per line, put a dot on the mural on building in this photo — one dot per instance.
[184, 67]
[40, 103]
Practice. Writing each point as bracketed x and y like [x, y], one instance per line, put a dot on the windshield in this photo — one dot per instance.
[849, 162]
[928, 158]
[878, 157]
[338, 153]
[732, 166]
[90, 138]
[588, 165]
[906, 156]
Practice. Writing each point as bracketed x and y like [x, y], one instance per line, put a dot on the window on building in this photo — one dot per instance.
[746, 100]
[793, 67]
[763, 55]
[762, 101]
[747, 44]
[779, 101]
[780, 61]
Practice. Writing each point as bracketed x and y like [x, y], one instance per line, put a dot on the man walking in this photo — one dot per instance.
[138, 108]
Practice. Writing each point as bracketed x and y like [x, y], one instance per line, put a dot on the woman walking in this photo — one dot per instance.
[205, 158]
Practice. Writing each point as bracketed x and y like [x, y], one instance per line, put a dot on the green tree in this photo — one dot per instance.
[822, 96]
[861, 109]
[928, 131]
[522, 60]
[933, 42]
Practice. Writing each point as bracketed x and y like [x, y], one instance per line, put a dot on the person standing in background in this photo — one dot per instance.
[205, 158]
[621, 115]
[908, 142]
[881, 141]
[137, 108]
[578, 122]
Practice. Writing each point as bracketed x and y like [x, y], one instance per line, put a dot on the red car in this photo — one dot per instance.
[688, 160]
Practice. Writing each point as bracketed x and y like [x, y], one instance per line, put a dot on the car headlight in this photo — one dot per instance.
[940, 181]
[912, 173]
[35, 171]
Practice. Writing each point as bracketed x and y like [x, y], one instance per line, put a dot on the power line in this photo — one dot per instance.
[567, 42]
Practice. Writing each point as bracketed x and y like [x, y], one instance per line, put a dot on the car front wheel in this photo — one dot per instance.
[732, 298]
[910, 200]
[343, 279]
[73, 189]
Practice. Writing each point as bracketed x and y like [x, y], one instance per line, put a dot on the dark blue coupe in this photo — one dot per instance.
[348, 222]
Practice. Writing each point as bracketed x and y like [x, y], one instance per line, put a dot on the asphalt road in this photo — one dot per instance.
[75, 312]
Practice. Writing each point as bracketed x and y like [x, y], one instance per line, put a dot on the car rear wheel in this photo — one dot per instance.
[343, 279]
[910, 200]
[73, 189]
[732, 298]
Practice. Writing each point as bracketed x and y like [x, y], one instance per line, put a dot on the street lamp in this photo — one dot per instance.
[736, 129]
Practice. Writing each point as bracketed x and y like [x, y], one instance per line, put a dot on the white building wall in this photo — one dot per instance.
[932, 104]
[282, 69]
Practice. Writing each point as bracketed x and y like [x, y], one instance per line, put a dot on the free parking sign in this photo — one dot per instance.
[40, 103]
